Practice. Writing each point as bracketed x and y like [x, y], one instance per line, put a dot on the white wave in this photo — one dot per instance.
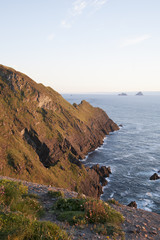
[112, 194]
[148, 209]
[125, 193]
[149, 194]
[146, 204]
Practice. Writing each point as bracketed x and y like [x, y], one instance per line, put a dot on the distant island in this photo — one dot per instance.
[139, 94]
[122, 94]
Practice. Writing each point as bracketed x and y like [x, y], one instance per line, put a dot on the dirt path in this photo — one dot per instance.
[139, 224]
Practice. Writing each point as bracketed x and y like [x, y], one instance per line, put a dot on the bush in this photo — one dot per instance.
[71, 204]
[16, 226]
[95, 212]
[18, 213]
[72, 217]
[15, 197]
[55, 194]
[11, 191]
[84, 211]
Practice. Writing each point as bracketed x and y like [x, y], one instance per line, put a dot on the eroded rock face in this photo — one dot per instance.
[154, 177]
[103, 172]
[91, 185]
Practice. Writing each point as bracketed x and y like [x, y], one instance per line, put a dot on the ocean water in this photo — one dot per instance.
[133, 152]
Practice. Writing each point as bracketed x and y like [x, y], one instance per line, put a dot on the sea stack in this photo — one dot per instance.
[139, 94]
[122, 94]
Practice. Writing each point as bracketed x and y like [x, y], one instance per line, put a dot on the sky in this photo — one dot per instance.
[82, 46]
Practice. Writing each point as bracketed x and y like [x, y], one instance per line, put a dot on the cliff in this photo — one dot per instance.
[42, 136]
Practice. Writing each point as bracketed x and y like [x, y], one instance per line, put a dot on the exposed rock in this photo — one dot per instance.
[154, 177]
[91, 185]
[132, 204]
[103, 172]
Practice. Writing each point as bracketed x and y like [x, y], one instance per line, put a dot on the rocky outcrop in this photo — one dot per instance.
[103, 172]
[155, 177]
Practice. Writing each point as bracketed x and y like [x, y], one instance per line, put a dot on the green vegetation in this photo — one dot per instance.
[56, 194]
[19, 212]
[105, 219]
[17, 227]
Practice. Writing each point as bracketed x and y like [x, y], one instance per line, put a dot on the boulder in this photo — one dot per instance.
[154, 177]
[132, 204]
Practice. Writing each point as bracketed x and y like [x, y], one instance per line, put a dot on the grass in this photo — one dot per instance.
[103, 217]
[19, 214]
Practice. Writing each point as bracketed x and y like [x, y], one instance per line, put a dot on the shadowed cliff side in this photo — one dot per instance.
[42, 136]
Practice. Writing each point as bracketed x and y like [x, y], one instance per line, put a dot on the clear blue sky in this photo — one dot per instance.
[83, 45]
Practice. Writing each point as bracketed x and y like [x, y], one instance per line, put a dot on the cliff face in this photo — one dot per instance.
[42, 135]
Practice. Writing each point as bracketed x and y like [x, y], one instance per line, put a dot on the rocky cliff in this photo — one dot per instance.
[42, 136]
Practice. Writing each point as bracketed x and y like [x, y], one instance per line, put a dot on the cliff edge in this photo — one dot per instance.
[42, 136]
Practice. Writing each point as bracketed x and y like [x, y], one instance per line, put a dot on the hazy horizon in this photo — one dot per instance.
[84, 45]
[131, 93]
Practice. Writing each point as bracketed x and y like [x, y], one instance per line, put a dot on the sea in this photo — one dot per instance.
[133, 152]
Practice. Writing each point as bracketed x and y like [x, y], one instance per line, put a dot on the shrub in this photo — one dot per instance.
[11, 191]
[71, 204]
[84, 211]
[16, 226]
[15, 197]
[57, 194]
[95, 212]
[72, 217]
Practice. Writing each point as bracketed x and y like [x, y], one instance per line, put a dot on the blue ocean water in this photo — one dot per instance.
[133, 152]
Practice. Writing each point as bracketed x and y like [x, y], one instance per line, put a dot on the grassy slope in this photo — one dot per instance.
[25, 104]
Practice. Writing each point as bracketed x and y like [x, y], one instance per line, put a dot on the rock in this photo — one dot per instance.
[104, 182]
[122, 94]
[103, 172]
[139, 94]
[120, 125]
[132, 204]
[154, 177]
